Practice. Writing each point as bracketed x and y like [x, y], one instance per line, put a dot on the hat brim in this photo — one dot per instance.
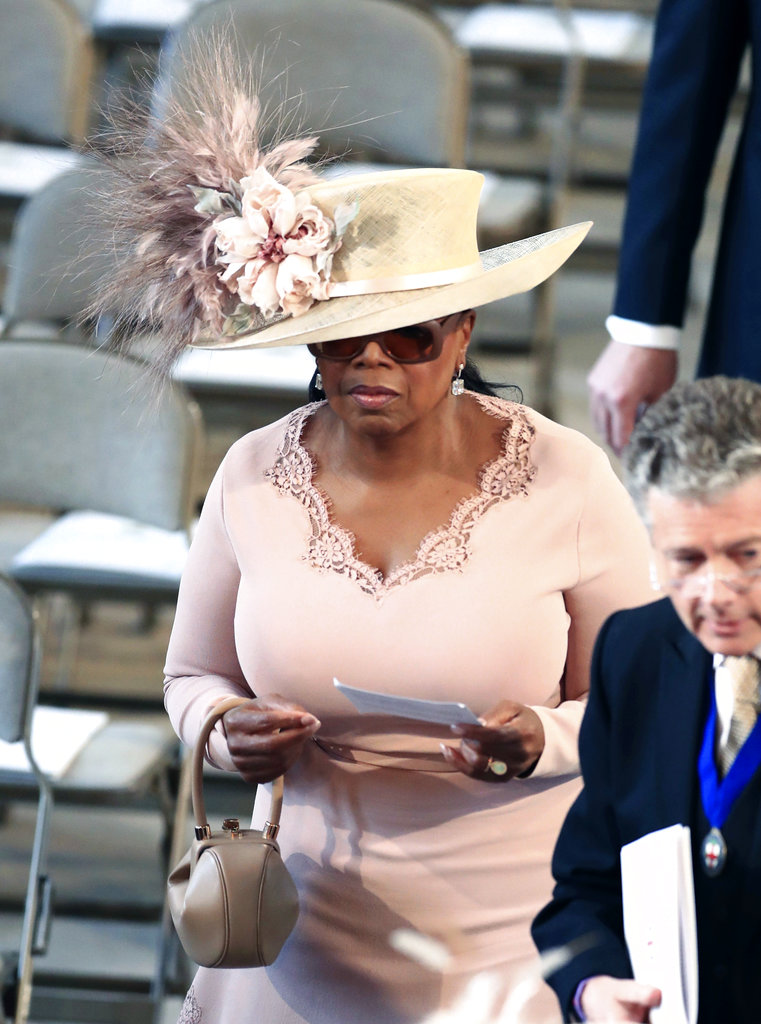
[506, 270]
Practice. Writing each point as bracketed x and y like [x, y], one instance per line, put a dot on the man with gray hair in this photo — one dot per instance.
[670, 735]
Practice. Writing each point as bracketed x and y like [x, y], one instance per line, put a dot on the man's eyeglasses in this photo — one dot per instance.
[738, 583]
[420, 343]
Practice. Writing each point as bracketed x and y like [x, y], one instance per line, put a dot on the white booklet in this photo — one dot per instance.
[441, 712]
[659, 920]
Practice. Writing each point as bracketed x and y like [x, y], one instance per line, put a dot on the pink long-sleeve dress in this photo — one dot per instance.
[379, 833]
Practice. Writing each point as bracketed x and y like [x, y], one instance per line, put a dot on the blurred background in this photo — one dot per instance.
[100, 480]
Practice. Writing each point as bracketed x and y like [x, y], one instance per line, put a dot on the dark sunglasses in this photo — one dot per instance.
[417, 344]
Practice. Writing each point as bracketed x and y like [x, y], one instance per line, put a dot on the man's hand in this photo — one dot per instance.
[608, 999]
[624, 378]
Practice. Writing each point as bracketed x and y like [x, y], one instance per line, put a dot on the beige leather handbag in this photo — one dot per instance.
[232, 900]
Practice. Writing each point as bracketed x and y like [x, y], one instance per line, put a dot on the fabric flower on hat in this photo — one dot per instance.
[277, 249]
[300, 284]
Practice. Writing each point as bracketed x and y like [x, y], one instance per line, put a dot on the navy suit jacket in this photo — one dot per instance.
[692, 78]
[639, 745]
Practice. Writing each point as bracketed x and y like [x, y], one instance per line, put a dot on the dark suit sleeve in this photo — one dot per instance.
[693, 74]
[586, 905]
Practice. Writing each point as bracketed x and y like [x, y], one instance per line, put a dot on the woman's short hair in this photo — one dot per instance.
[699, 440]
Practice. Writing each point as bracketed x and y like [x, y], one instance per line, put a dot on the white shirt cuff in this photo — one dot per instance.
[632, 332]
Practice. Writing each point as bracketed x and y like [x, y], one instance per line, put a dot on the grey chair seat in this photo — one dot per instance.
[283, 372]
[118, 764]
[26, 168]
[517, 29]
[511, 208]
[19, 527]
[136, 21]
[106, 554]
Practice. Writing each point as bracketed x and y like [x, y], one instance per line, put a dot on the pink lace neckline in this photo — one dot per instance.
[445, 549]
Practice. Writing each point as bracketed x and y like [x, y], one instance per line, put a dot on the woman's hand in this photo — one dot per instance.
[511, 735]
[266, 736]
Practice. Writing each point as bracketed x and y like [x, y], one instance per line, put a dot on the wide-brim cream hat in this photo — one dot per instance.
[408, 254]
[216, 241]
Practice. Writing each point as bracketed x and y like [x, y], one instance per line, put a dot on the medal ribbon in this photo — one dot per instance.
[719, 795]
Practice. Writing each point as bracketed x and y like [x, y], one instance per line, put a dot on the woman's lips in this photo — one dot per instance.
[372, 397]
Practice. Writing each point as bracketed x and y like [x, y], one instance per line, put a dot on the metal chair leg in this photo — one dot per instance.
[30, 930]
[176, 848]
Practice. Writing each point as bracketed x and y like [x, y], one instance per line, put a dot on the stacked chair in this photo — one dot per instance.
[103, 465]
[114, 495]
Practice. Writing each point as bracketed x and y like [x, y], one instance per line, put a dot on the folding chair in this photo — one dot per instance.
[84, 435]
[47, 62]
[128, 761]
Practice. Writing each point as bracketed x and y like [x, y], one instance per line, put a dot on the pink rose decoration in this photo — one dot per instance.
[265, 294]
[236, 240]
[312, 232]
[278, 254]
[267, 205]
[299, 285]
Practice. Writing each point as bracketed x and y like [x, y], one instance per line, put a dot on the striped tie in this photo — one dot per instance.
[744, 673]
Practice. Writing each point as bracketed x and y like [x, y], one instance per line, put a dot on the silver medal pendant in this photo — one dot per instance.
[713, 853]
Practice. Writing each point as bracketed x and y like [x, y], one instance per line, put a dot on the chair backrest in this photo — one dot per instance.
[18, 689]
[376, 77]
[55, 257]
[46, 69]
[81, 428]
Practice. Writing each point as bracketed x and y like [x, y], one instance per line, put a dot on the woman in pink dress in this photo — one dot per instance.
[407, 532]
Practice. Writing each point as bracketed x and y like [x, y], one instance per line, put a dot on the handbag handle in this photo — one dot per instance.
[202, 829]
